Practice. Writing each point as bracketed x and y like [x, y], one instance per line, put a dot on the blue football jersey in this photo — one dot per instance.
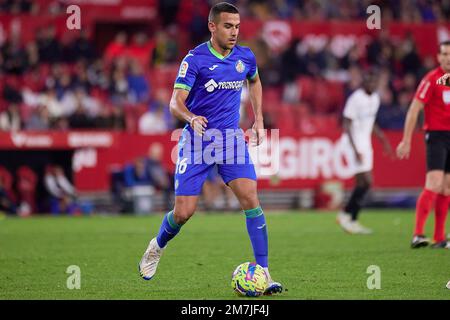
[215, 83]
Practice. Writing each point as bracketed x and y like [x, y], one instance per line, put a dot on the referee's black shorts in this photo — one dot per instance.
[438, 150]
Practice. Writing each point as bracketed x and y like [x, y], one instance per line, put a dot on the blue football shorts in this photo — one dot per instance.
[197, 156]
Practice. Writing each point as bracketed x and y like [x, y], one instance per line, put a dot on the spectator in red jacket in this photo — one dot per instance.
[116, 48]
[141, 50]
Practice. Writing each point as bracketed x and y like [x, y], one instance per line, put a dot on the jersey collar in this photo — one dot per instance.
[217, 54]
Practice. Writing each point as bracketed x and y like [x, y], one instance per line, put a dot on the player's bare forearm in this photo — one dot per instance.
[179, 110]
[380, 134]
[178, 107]
[255, 92]
[383, 139]
[411, 120]
[404, 147]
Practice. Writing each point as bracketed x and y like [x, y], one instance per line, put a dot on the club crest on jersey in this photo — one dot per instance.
[183, 69]
[240, 67]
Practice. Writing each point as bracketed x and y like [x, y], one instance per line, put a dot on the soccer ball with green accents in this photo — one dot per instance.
[249, 279]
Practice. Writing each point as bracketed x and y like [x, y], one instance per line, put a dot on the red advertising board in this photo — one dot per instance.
[28, 140]
[291, 161]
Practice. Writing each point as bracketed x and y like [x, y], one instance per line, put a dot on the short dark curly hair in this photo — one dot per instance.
[220, 7]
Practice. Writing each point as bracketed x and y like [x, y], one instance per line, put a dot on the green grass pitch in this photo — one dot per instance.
[308, 253]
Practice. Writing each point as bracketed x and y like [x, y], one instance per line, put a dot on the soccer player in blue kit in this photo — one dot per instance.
[206, 96]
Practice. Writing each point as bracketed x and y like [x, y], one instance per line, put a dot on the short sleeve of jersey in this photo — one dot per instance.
[187, 73]
[350, 109]
[253, 68]
[424, 90]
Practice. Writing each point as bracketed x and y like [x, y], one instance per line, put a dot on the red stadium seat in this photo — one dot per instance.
[336, 90]
[100, 94]
[140, 110]
[44, 70]
[286, 118]
[271, 99]
[163, 76]
[328, 96]
[326, 123]
[25, 112]
[306, 87]
[34, 81]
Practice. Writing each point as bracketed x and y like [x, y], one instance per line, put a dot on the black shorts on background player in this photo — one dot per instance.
[438, 150]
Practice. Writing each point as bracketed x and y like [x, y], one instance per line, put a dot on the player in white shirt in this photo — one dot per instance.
[359, 123]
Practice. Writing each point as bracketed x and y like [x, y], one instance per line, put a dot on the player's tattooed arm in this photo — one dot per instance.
[347, 125]
[404, 147]
[444, 80]
[179, 110]
[255, 93]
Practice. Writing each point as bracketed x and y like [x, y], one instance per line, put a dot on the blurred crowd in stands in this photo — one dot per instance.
[318, 10]
[51, 84]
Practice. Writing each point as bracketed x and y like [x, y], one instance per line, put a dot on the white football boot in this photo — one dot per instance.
[349, 226]
[272, 286]
[357, 228]
[344, 220]
[150, 260]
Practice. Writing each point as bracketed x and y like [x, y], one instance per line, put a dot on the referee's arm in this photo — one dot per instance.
[404, 147]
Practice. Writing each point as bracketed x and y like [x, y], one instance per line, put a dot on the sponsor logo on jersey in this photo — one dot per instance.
[213, 67]
[183, 69]
[211, 85]
[240, 67]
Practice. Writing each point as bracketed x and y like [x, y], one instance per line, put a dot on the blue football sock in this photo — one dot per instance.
[169, 229]
[257, 231]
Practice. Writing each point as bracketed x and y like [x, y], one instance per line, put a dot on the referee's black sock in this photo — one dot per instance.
[355, 202]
